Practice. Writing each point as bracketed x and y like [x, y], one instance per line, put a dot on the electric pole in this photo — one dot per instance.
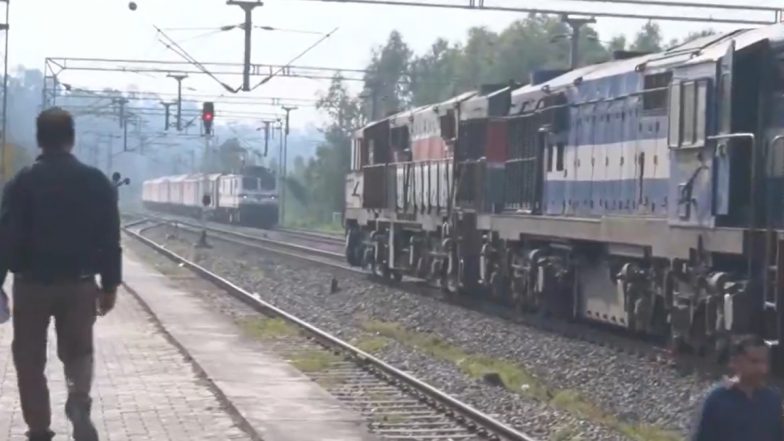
[179, 78]
[288, 110]
[266, 136]
[248, 7]
[576, 25]
[166, 107]
[123, 121]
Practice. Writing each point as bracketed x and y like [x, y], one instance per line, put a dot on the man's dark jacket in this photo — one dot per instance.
[59, 220]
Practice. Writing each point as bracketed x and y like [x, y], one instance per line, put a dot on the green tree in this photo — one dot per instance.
[648, 39]
[618, 43]
[434, 74]
[387, 85]
[318, 186]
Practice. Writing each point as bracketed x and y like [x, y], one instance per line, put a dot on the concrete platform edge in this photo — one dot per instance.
[231, 409]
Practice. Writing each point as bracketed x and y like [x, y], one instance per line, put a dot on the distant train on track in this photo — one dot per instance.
[249, 199]
[646, 192]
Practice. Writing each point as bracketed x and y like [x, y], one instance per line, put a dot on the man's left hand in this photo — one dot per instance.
[106, 301]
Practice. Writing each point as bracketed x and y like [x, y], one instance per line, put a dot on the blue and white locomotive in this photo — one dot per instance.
[646, 192]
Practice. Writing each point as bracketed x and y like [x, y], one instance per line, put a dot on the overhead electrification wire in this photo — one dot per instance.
[293, 31]
[176, 48]
[206, 34]
[671, 15]
[293, 60]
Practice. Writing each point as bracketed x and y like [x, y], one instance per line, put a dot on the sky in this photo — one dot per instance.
[109, 29]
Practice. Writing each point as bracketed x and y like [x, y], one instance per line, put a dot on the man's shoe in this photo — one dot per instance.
[77, 409]
[40, 436]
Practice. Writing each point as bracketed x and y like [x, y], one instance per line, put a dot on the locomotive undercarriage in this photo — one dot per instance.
[693, 303]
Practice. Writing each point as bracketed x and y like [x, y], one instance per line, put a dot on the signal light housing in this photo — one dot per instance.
[208, 116]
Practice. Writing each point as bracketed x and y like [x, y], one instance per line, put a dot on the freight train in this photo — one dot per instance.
[645, 193]
[249, 199]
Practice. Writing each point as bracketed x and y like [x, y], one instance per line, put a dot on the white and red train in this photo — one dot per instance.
[249, 199]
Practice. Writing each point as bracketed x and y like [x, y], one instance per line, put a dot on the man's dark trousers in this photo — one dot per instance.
[72, 304]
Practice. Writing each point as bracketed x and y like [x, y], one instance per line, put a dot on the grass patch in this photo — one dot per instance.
[372, 343]
[518, 379]
[565, 434]
[264, 328]
[313, 360]
[329, 382]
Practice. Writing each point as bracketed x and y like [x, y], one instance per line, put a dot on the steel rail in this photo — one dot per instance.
[326, 237]
[260, 239]
[483, 420]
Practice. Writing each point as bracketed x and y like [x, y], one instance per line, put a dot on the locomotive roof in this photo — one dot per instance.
[743, 39]
[705, 49]
[478, 106]
[535, 92]
[452, 102]
[403, 118]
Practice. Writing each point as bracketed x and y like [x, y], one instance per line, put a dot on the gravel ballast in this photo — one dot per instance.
[624, 391]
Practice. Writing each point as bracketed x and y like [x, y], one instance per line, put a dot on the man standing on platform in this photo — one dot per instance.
[59, 227]
[744, 408]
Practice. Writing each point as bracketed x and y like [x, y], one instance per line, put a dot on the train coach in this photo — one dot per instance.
[242, 199]
[644, 193]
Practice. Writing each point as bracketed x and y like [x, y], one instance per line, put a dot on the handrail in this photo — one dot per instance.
[753, 186]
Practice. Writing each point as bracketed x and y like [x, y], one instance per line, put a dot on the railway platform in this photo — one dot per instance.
[168, 368]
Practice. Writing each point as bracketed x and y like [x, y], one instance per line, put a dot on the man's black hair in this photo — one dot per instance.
[55, 129]
[745, 342]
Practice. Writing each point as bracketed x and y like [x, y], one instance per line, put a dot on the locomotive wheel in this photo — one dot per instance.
[450, 285]
[517, 289]
[352, 250]
[380, 270]
[498, 287]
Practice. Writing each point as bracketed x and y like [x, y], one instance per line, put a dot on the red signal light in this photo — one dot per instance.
[207, 115]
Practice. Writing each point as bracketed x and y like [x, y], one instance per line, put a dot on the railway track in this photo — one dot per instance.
[654, 351]
[396, 405]
[306, 234]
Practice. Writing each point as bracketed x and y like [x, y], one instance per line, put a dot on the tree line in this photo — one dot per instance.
[397, 79]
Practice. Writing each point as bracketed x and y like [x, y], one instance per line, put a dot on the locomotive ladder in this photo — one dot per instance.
[773, 310]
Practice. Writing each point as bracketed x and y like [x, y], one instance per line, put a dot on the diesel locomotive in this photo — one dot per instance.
[645, 193]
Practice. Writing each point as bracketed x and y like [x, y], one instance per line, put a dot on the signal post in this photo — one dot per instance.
[207, 118]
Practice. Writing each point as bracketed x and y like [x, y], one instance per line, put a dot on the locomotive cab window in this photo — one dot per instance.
[688, 114]
[249, 183]
[655, 91]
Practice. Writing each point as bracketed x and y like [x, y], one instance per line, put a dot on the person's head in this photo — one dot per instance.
[749, 358]
[55, 130]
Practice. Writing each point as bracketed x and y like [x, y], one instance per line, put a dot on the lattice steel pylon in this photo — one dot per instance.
[5, 159]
